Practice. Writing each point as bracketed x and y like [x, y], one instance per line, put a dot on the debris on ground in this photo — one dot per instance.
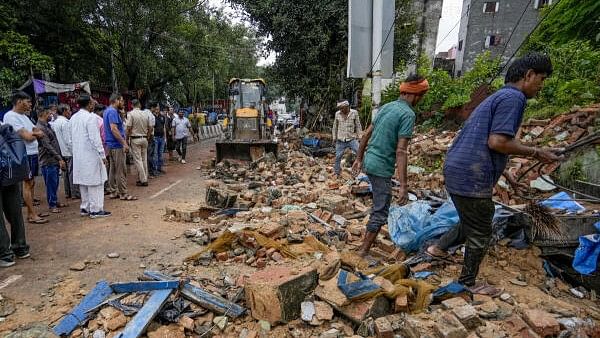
[276, 241]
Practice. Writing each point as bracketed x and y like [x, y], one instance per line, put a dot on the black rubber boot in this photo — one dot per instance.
[473, 258]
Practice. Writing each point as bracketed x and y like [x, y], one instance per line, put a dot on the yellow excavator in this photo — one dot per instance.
[248, 133]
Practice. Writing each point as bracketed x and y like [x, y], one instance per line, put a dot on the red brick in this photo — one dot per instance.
[271, 229]
[386, 245]
[323, 311]
[541, 322]
[222, 256]
[447, 326]
[276, 256]
[240, 259]
[326, 216]
[401, 304]
[383, 328]
[576, 134]
[261, 263]
[187, 323]
[262, 252]
[274, 294]
[270, 251]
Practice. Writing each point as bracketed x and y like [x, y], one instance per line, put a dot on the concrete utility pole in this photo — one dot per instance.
[376, 54]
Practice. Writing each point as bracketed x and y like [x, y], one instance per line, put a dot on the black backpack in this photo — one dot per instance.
[14, 166]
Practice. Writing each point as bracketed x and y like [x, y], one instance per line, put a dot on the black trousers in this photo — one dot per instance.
[181, 147]
[10, 206]
[474, 230]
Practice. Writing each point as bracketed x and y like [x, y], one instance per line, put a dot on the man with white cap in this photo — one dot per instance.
[346, 130]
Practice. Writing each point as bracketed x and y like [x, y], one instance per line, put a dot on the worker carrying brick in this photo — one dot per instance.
[382, 154]
[478, 157]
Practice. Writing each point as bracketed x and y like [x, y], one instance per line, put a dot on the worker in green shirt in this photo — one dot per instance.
[386, 143]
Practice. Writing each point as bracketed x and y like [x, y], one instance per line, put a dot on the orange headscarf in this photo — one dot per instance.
[415, 87]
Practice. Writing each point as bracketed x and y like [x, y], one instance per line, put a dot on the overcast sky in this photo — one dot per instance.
[447, 34]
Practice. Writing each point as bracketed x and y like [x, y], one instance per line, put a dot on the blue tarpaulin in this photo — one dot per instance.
[563, 201]
[586, 255]
[413, 224]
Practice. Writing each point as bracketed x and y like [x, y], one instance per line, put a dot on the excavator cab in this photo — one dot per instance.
[248, 132]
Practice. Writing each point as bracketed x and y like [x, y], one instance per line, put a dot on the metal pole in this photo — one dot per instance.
[376, 49]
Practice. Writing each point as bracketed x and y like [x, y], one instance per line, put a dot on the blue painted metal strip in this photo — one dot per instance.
[204, 298]
[79, 314]
[137, 326]
[144, 286]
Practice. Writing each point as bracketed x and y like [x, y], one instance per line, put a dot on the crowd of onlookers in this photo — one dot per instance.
[90, 150]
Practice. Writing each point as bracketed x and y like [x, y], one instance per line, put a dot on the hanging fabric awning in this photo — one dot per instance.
[41, 86]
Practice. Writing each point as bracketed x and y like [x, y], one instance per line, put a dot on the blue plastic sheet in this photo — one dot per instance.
[310, 142]
[563, 201]
[451, 290]
[423, 274]
[355, 289]
[586, 255]
[411, 225]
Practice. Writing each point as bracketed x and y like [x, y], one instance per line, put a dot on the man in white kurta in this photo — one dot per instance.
[89, 170]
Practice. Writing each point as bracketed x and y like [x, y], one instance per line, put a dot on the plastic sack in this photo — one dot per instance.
[411, 225]
[586, 255]
[310, 142]
[563, 201]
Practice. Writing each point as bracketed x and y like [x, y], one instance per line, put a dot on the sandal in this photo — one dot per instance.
[37, 221]
[128, 198]
[43, 214]
[61, 205]
[486, 290]
[113, 196]
[55, 211]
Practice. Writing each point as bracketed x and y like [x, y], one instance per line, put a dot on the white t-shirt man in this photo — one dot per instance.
[22, 121]
[181, 127]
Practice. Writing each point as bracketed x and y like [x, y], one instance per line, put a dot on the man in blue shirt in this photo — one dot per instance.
[114, 134]
[478, 157]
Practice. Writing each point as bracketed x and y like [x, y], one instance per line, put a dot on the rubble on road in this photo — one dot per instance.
[275, 257]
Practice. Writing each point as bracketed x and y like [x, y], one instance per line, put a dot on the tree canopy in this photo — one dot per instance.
[159, 48]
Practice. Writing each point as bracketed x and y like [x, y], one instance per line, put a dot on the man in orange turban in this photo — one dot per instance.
[385, 143]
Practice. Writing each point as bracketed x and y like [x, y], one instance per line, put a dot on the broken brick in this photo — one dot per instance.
[275, 294]
[334, 203]
[467, 316]
[277, 257]
[222, 256]
[541, 322]
[271, 229]
[452, 303]
[447, 326]
[116, 323]
[187, 323]
[326, 216]
[383, 328]
[323, 311]
[401, 304]
[240, 259]
[261, 263]
[262, 252]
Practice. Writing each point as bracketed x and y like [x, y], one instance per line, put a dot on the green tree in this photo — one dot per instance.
[18, 57]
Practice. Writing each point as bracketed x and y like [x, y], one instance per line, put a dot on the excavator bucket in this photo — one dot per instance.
[244, 150]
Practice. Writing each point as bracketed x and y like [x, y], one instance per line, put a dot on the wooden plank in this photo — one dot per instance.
[203, 298]
[79, 314]
[137, 326]
[144, 286]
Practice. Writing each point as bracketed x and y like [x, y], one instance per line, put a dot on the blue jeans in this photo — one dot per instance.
[51, 174]
[382, 197]
[340, 147]
[159, 148]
